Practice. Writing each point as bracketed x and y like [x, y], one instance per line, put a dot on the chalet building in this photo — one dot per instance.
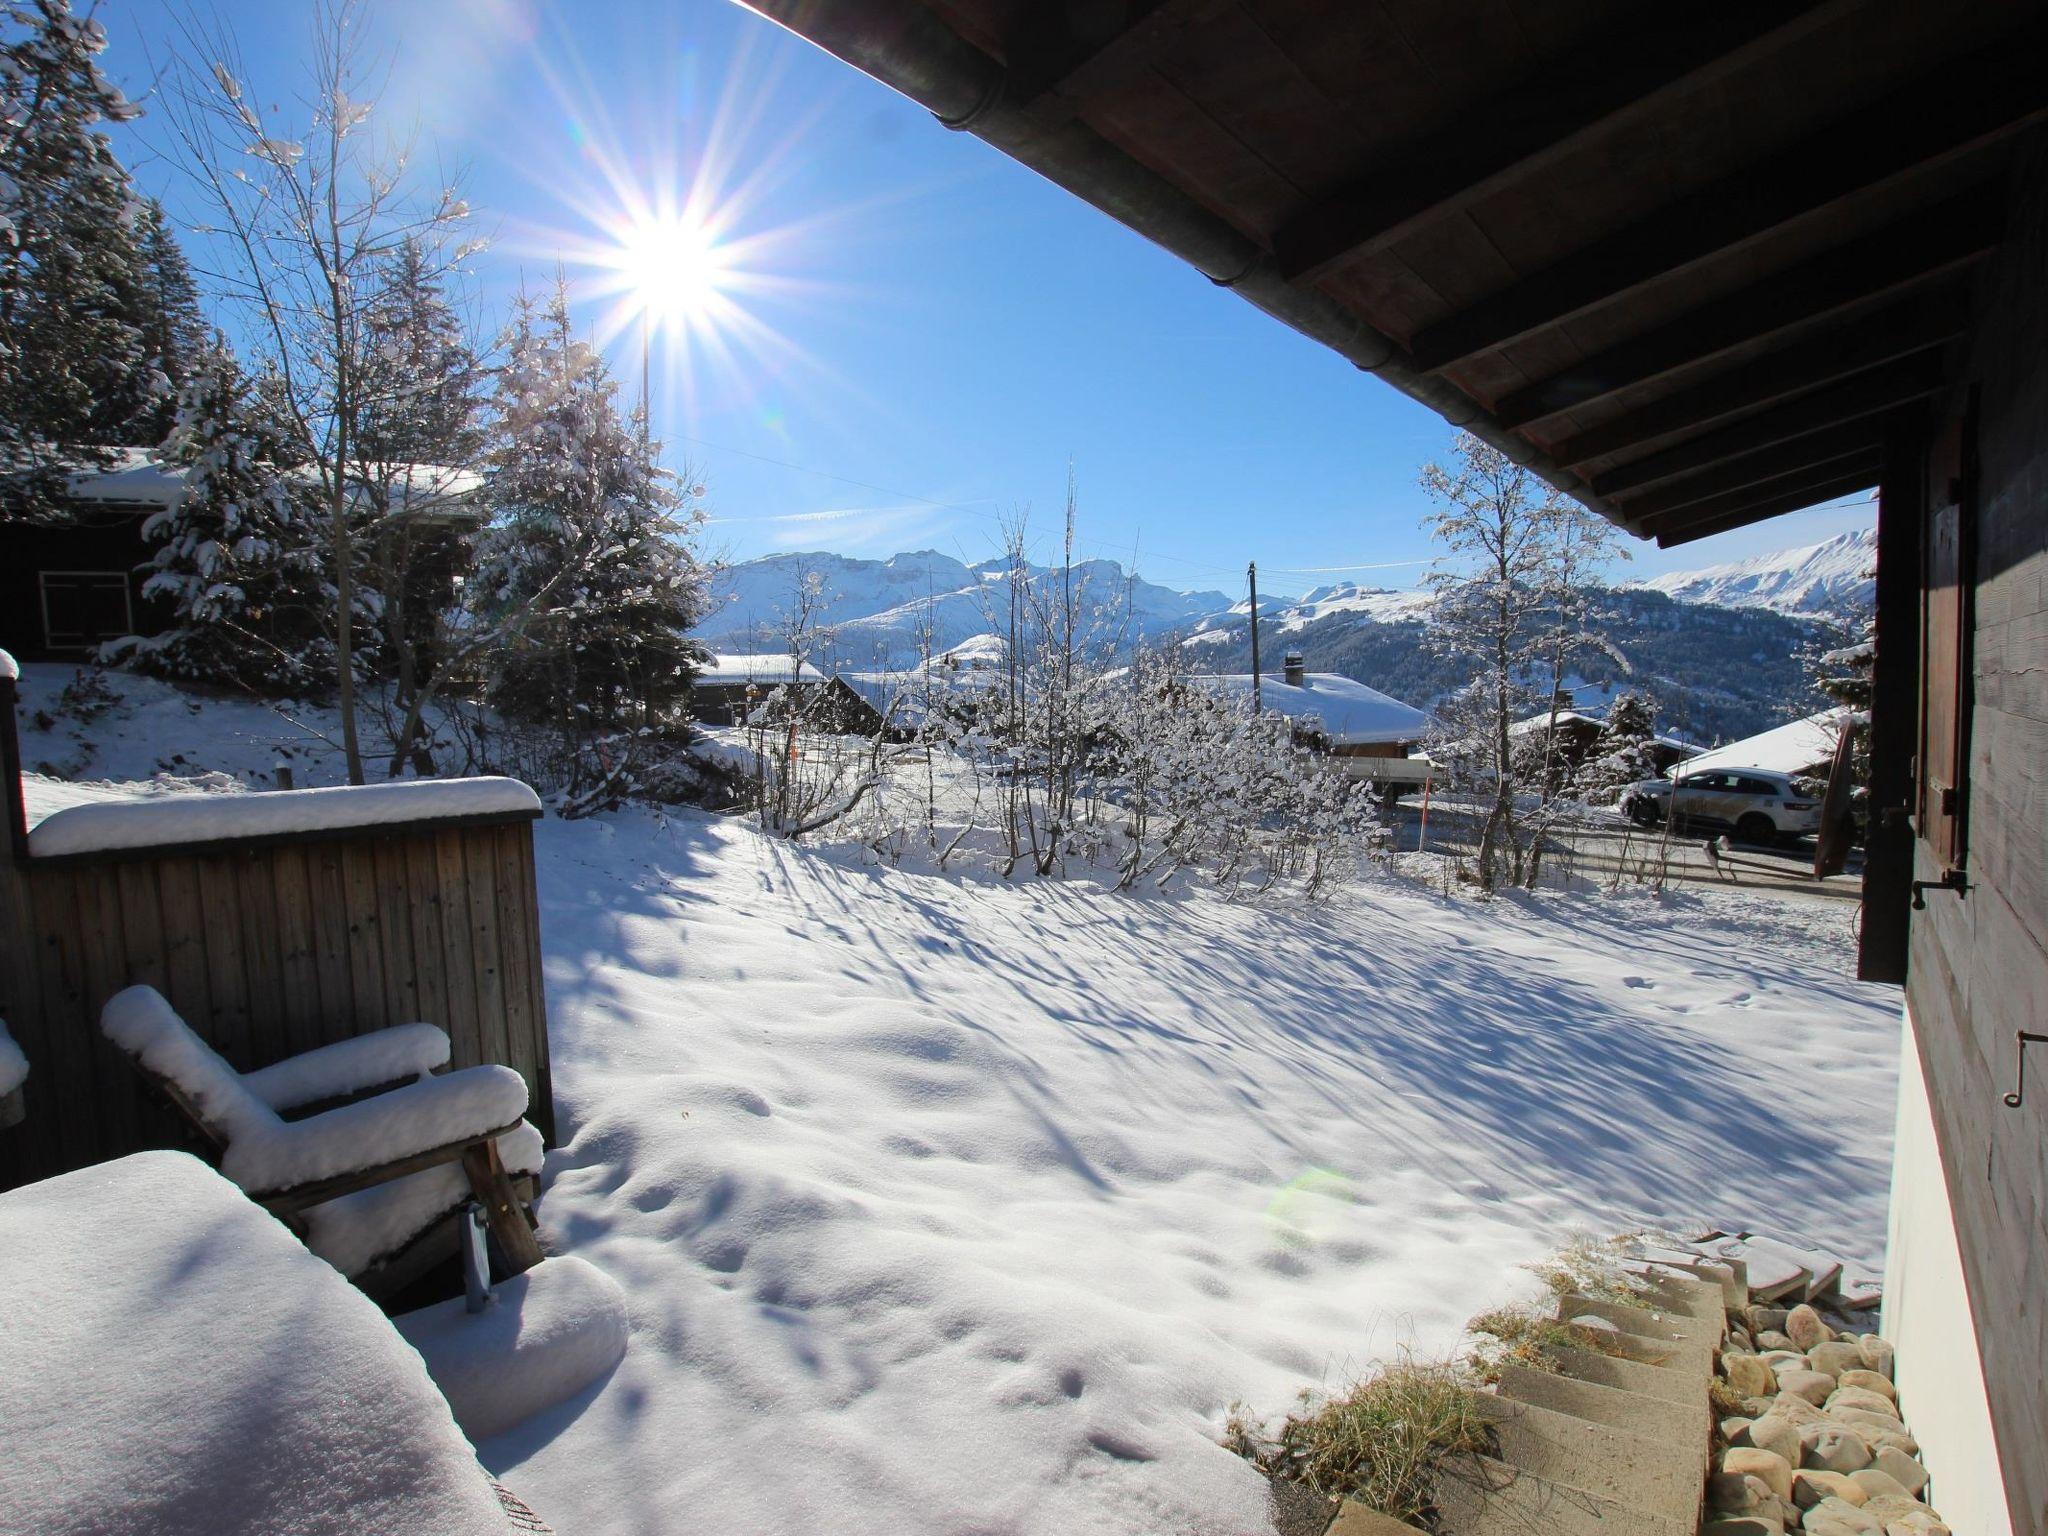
[1332, 713]
[70, 584]
[1577, 735]
[1696, 266]
[748, 688]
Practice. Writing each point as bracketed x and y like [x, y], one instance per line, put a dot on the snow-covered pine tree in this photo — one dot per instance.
[418, 434]
[234, 558]
[175, 339]
[1624, 753]
[587, 565]
[74, 372]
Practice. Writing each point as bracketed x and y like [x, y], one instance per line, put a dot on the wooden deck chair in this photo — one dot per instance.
[363, 1180]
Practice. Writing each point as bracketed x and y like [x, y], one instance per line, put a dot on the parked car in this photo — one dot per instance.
[1756, 804]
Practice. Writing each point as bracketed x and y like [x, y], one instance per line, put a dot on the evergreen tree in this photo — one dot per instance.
[233, 558]
[74, 367]
[588, 555]
[419, 381]
[1625, 751]
[174, 335]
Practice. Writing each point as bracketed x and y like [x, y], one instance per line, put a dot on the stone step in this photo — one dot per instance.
[1356, 1520]
[1661, 1418]
[1698, 1294]
[1688, 1360]
[1692, 1334]
[1494, 1499]
[1661, 1476]
[1672, 1384]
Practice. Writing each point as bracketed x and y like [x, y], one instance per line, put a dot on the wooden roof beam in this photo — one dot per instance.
[1600, 83]
[1756, 512]
[1899, 331]
[1850, 440]
[1912, 253]
[1867, 394]
[1961, 105]
[1864, 463]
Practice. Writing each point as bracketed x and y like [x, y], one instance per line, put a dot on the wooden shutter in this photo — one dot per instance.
[1946, 619]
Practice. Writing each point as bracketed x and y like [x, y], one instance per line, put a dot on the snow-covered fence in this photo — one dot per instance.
[277, 923]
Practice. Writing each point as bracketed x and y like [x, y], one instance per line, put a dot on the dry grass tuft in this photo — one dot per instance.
[1592, 1266]
[1523, 1336]
[1384, 1442]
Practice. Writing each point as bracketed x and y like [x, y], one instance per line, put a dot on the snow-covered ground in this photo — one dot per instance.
[944, 1204]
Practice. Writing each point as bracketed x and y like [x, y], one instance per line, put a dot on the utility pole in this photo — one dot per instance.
[646, 370]
[1252, 573]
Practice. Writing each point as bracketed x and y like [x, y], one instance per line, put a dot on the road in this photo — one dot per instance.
[1606, 845]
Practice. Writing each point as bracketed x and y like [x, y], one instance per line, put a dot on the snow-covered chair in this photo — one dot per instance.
[363, 1182]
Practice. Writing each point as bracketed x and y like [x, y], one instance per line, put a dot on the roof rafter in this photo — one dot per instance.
[1756, 512]
[1899, 330]
[1911, 128]
[1846, 441]
[1864, 463]
[1867, 394]
[1930, 245]
[1622, 72]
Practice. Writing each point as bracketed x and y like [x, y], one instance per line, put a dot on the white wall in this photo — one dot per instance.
[1927, 1318]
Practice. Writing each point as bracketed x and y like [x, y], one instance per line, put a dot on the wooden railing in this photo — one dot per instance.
[266, 946]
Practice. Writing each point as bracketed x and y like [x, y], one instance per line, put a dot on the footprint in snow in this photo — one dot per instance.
[1643, 983]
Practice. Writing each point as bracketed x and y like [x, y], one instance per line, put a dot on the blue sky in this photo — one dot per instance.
[917, 334]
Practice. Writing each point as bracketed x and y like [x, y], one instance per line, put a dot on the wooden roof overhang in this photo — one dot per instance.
[1685, 260]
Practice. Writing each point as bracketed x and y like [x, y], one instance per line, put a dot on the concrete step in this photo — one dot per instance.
[1673, 1385]
[1696, 1295]
[1688, 1360]
[1661, 1476]
[1356, 1520]
[1695, 1335]
[1494, 1499]
[1661, 1418]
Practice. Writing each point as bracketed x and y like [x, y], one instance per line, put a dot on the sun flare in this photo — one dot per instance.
[675, 269]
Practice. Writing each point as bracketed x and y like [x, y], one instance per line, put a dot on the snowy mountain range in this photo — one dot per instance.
[877, 610]
[1823, 580]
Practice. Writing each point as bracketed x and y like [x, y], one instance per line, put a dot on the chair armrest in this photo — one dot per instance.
[349, 1066]
[421, 1116]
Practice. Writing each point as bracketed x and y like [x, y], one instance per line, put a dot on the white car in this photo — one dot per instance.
[1757, 804]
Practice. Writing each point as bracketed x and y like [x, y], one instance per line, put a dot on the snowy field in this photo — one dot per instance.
[947, 1205]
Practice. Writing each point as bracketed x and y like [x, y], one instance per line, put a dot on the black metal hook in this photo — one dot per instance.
[1954, 880]
[2023, 1038]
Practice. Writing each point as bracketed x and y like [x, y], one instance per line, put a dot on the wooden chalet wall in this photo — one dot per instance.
[1978, 968]
[266, 948]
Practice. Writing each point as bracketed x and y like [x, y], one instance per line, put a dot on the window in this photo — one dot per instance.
[83, 608]
[1756, 787]
[1946, 619]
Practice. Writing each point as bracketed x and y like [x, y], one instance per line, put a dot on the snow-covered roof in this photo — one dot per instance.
[769, 669]
[178, 1362]
[171, 819]
[135, 479]
[1350, 714]
[1565, 717]
[1804, 746]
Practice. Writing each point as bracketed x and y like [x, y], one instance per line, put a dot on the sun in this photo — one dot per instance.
[674, 269]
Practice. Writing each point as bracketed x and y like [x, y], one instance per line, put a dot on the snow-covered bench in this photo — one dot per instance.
[177, 1364]
[365, 1180]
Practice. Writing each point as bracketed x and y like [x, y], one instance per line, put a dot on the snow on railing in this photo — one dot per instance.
[180, 820]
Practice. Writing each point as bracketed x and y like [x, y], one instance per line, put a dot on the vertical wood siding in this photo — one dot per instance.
[265, 951]
[1979, 965]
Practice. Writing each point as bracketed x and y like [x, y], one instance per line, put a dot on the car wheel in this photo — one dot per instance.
[1644, 813]
[1756, 828]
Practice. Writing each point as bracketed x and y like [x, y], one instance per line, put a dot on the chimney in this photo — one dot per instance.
[1292, 670]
